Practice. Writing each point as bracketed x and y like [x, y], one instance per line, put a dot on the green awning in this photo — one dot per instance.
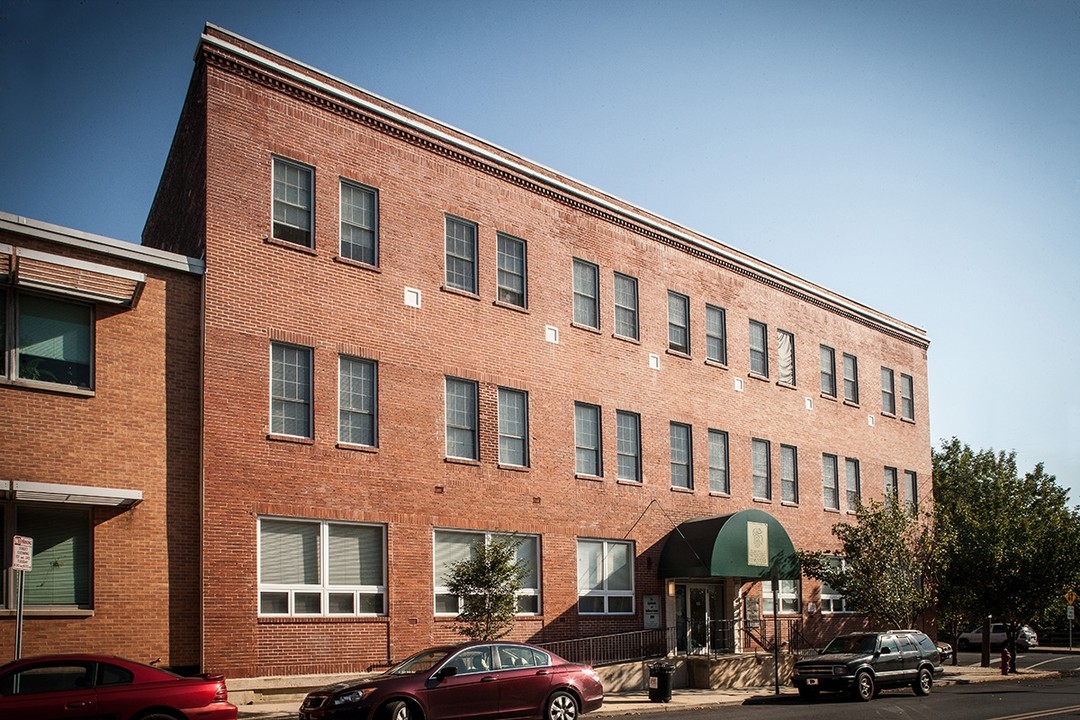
[744, 545]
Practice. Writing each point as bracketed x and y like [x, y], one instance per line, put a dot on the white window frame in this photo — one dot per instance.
[280, 400]
[595, 449]
[324, 587]
[527, 595]
[513, 430]
[832, 602]
[470, 414]
[347, 407]
[455, 277]
[287, 203]
[715, 334]
[789, 592]
[626, 313]
[586, 311]
[628, 444]
[373, 194]
[678, 323]
[605, 592]
[507, 274]
[759, 348]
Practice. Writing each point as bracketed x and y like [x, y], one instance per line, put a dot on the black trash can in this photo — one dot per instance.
[660, 681]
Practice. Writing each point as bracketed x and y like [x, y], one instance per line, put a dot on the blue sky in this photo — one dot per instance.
[919, 157]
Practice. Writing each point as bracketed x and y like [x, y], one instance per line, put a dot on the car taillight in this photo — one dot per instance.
[221, 692]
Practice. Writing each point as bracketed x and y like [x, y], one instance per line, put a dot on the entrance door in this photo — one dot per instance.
[698, 619]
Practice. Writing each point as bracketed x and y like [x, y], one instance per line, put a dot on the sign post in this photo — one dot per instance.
[22, 560]
[1070, 612]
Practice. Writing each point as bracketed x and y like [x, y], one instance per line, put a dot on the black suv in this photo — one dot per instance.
[864, 663]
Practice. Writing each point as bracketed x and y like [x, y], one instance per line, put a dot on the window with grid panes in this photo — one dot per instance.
[461, 419]
[759, 348]
[605, 577]
[586, 294]
[359, 223]
[682, 475]
[626, 306]
[719, 481]
[789, 474]
[678, 323]
[511, 273]
[357, 401]
[716, 334]
[292, 202]
[461, 255]
[290, 390]
[830, 481]
[628, 438]
[762, 468]
[513, 427]
[587, 439]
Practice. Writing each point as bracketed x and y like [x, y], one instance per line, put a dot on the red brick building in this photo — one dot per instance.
[413, 341]
[99, 391]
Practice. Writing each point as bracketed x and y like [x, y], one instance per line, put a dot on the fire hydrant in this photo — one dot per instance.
[1006, 657]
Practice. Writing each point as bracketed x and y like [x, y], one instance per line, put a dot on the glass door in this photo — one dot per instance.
[698, 619]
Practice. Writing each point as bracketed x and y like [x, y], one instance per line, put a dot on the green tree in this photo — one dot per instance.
[891, 560]
[1016, 543]
[487, 583]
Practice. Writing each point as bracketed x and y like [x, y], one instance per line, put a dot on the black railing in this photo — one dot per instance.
[621, 647]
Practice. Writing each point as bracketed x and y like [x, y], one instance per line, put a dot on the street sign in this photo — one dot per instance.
[1070, 612]
[1070, 597]
[22, 553]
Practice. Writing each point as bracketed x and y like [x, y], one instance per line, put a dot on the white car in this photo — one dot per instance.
[1025, 638]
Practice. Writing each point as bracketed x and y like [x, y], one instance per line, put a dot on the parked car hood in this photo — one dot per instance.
[834, 659]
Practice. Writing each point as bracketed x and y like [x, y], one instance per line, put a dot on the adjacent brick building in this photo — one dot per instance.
[99, 391]
[413, 341]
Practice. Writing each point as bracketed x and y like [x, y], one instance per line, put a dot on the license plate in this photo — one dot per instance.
[811, 681]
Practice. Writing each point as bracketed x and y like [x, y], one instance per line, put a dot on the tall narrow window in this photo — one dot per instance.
[785, 357]
[682, 474]
[762, 468]
[851, 378]
[605, 571]
[789, 474]
[292, 202]
[716, 334]
[907, 397]
[628, 431]
[830, 482]
[461, 419]
[888, 392]
[290, 390]
[54, 341]
[513, 427]
[831, 600]
[759, 348]
[828, 371]
[587, 443]
[854, 484]
[891, 484]
[911, 490]
[626, 306]
[678, 323]
[512, 283]
[359, 223]
[461, 255]
[719, 481]
[586, 294]
[356, 401]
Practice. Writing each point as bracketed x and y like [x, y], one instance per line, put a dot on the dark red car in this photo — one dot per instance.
[72, 687]
[473, 681]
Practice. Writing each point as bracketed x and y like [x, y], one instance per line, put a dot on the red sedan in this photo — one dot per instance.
[474, 681]
[71, 687]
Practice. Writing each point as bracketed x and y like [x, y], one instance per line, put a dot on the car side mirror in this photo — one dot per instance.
[885, 651]
[448, 671]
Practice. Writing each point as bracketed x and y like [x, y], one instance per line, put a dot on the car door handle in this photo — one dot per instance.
[488, 678]
[543, 672]
[76, 704]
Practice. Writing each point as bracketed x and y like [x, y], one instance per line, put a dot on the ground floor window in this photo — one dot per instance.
[61, 558]
[311, 567]
[789, 596]
[605, 577]
[831, 600]
[453, 546]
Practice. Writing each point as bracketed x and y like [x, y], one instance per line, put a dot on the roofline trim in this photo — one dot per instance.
[99, 243]
[668, 227]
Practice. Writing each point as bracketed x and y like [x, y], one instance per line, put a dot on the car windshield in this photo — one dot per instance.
[420, 662]
[851, 644]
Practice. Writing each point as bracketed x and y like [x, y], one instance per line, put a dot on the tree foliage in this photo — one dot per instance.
[892, 558]
[1015, 548]
[487, 583]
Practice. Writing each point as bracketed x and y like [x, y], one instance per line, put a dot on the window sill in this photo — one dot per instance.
[357, 264]
[716, 364]
[290, 439]
[832, 510]
[688, 491]
[590, 478]
[626, 338]
[511, 306]
[52, 612]
[888, 414]
[305, 249]
[714, 493]
[57, 388]
[513, 468]
[679, 354]
[460, 293]
[756, 376]
[827, 396]
[851, 403]
[767, 501]
[787, 386]
[308, 619]
[353, 447]
[908, 420]
[586, 328]
[789, 503]
[631, 483]
[462, 461]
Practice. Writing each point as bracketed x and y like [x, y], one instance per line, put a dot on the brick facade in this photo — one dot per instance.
[137, 430]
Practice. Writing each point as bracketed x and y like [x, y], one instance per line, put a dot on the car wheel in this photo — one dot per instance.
[923, 682]
[963, 644]
[562, 706]
[864, 686]
[809, 693]
[398, 710]
[158, 716]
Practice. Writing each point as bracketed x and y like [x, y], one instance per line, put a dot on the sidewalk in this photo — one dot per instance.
[637, 702]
